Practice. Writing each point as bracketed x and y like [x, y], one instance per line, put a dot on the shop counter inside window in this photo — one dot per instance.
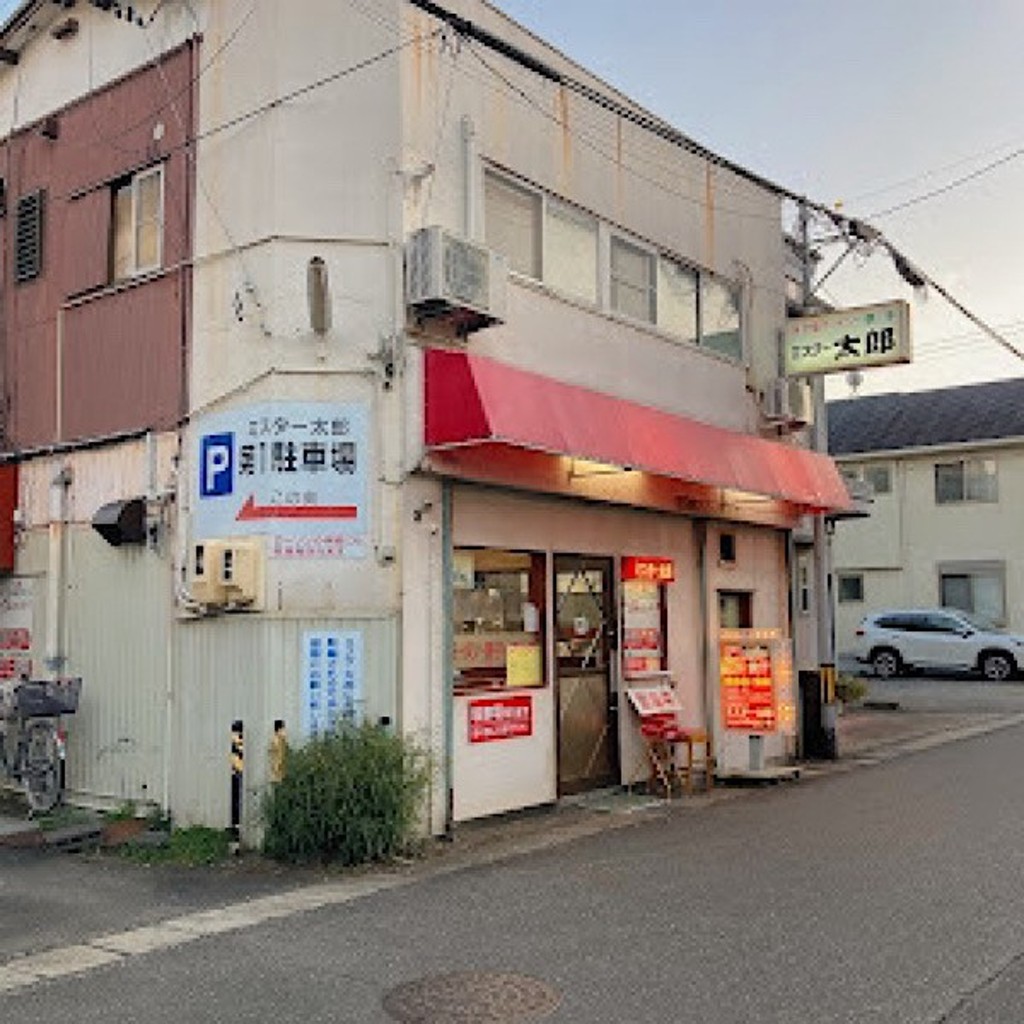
[498, 601]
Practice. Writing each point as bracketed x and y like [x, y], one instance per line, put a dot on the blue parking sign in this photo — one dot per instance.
[216, 465]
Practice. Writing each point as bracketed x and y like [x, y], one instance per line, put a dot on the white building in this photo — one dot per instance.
[278, 453]
[946, 468]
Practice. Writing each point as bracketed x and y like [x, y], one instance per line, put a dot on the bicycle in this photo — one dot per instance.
[32, 743]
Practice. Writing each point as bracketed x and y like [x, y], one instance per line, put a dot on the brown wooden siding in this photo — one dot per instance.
[122, 349]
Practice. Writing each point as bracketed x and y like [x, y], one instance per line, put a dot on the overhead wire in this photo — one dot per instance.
[949, 186]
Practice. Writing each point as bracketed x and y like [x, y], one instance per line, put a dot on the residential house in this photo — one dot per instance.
[946, 472]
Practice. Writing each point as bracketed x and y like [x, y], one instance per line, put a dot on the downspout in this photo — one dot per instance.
[700, 529]
[55, 656]
[447, 657]
[469, 180]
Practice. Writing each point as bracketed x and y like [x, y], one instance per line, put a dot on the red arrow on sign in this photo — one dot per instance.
[250, 510]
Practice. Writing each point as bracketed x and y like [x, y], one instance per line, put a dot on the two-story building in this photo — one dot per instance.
[946, 472]
[378, 362]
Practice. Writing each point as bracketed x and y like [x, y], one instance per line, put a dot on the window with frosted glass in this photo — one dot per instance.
[966, 480]
[633, 289]
[976, 589]
[512, 216]
[570, 251]
[138, 224]
[677, 300]
[720, 318]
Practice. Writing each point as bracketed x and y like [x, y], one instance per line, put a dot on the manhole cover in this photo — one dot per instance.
[474, 997]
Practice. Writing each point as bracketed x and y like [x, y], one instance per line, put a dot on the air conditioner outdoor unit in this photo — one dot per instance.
[455, 282]
[241, 572]
[204, 585]
[788, 403]
[227, 573]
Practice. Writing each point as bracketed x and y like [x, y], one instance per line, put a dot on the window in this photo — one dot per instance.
[570, 251]
[512, 217]
[727, 547]
[876, 475]
[851, 588]
[720, 317]
[879, 477]
[28, 237]
[972, 480]
[735, 609]
[803, 584]
[633, 287]
[677, 300]
[138, 224]
[978, 589]
[498, 606]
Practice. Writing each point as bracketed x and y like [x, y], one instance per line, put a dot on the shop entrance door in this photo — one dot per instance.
[585, 643]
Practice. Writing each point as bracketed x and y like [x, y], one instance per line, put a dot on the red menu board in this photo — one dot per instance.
[500, 718]
[748, 687]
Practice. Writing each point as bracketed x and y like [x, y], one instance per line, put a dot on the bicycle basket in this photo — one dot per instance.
[29, 698]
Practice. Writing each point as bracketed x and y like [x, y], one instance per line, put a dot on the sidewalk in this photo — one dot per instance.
[865, 736]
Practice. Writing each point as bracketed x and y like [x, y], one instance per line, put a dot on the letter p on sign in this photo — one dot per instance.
[216, 470]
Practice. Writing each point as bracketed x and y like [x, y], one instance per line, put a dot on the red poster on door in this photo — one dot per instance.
[500, 718]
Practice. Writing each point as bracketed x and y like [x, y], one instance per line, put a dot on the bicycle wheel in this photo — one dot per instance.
[40, 769]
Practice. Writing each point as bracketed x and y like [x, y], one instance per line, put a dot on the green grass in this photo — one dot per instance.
[197, 846]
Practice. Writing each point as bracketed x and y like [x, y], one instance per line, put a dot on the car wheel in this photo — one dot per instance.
[886, 663]
[997, 667]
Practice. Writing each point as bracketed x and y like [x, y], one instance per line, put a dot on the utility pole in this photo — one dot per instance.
[822, 559]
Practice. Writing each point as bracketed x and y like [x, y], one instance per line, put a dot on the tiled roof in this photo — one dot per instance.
[920, 419]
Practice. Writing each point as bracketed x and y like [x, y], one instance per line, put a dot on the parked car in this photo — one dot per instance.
[936, 638]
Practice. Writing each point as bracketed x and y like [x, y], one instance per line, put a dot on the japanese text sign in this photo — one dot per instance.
[748, 687]
[500, 718]
[848, 339]
[332, 683]
[650, 569]
[294, 470]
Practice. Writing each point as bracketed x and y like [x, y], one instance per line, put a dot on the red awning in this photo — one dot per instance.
[473, 400]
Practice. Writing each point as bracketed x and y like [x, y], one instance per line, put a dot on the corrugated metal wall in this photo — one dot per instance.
[117, 615]
[250, 667]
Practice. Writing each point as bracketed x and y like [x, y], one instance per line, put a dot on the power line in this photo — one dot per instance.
[949, 186]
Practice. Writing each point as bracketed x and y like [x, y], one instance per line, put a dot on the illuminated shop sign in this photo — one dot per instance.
[648, 569]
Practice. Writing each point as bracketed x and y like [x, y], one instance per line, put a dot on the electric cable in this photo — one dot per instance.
[949, 186]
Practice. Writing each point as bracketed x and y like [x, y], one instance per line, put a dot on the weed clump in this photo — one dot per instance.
[347, 798]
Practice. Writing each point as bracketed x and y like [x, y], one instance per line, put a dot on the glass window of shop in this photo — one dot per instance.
[498, 611]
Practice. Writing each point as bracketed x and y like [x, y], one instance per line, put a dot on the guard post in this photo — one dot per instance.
[237, 776]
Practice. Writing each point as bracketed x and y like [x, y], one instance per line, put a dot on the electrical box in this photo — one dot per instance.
[453, 281]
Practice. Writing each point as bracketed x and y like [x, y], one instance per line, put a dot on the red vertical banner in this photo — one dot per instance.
[8, 503]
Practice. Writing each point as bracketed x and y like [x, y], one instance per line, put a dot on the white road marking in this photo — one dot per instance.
[26, 971]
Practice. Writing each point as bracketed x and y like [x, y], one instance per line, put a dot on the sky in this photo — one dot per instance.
[867, 103]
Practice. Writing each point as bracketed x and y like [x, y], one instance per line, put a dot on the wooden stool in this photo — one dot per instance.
[686, 740]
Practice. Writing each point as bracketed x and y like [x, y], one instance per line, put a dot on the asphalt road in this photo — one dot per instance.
[888, 894]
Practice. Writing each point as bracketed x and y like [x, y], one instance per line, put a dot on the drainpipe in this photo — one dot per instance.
[55, 657]
[469, 180]
[700, 528]
[447, 656]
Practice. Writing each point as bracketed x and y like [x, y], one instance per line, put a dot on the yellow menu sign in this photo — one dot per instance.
[523, 665]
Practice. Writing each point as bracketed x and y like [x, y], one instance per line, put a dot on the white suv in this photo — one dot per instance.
[897, 641]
